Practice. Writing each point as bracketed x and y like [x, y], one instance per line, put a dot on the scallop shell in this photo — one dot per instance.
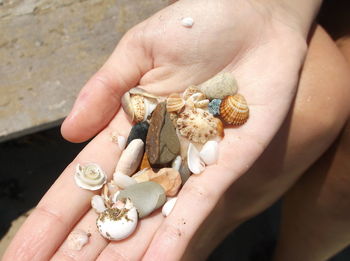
[174, 103]
[90, 176]
[198, 125]
[234, 109]
[117, 224]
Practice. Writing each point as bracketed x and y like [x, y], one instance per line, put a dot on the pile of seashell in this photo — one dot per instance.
[173, 137]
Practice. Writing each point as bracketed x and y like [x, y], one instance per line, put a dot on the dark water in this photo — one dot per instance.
[29, 165]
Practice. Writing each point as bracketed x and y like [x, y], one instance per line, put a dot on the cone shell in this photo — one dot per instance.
[174, 103]
[234, 110]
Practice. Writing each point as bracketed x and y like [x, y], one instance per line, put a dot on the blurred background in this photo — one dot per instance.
[48, 50]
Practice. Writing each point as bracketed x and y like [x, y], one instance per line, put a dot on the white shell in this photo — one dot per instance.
[77, 239]
[210, 152]
[168, 206]
[90, 176]
[122, 180]
[98, 204]
[187, 22]
[176, 163]
[130, 158]
[120, 227]
[121, 142]
[195, 164]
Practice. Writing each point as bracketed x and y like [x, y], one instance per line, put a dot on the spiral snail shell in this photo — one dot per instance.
[90, 176]
[234, 109]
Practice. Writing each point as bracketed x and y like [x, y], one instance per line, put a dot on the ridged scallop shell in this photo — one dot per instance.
[198, 125]
[90, 176]
[174, 103]
[234, 109]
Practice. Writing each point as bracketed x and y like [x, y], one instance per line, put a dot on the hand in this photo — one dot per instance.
[259, 46]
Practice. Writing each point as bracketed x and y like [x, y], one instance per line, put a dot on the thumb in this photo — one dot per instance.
[99, 99]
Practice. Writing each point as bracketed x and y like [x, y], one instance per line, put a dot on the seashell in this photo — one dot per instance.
[176, 164]
[219, 86]
[77, 239]
[210, 152]
[138, 105]
[130, 158]
[123, 180]
[90, 176]
[195, 164]
[198, 100]
[168, 206]
[234, 110]
[98, 204]
[142, 92]
[198, 125]
[146, 196]
[117, 224]
[190, 91]
[174, 103]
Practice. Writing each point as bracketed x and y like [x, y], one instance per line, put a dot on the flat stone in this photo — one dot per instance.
[146, 197]
[138, 131]
[162, 143]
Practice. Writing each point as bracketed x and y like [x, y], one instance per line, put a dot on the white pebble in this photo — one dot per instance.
[77, 239]
[130, 158]
[168, 206]
[123, 180]
[121, 142]
[98, 204]
[187, 22]
[210, 152]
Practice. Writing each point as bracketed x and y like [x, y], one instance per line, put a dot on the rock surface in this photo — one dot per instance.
[138, 131]
[162, 143]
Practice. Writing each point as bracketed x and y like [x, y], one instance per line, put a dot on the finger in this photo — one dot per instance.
[65, 203]
[99, 99]
[134, 247]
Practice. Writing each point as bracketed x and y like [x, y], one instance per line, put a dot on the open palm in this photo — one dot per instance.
[265, 55]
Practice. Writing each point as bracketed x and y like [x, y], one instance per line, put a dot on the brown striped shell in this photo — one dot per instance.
[174, 103]
[234, 109]
[198, 126]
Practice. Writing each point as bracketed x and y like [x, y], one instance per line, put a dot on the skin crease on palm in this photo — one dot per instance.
[265, 55]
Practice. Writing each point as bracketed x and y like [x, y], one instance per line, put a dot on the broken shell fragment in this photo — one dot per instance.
[77, 239]
[197, 100]
[190, 91]
[168, 206]
[195, 164]
[146, 197]
[174, 103]
[117, 224]
[168, 178]
[219, 86]
[210, 152]
[98, 204]
[197, 125]
[234, 110]
[130, 158]
[90, 176]
[176, 164]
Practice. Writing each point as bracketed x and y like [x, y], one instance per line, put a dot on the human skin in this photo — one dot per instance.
[264, 48]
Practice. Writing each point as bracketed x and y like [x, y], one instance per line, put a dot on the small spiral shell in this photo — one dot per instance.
[90, 176]
[174, 103]
[234, 109]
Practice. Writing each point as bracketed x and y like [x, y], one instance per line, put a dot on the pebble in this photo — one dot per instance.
[162, 143]
[168, 206]
[219, 86]
[184, 171]
[130, 158]
[98, 204]
[214, 107]
[144, 162]
[138, 131]
[123, 181]
[210, 152]
[187, 22]
[146, 197]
